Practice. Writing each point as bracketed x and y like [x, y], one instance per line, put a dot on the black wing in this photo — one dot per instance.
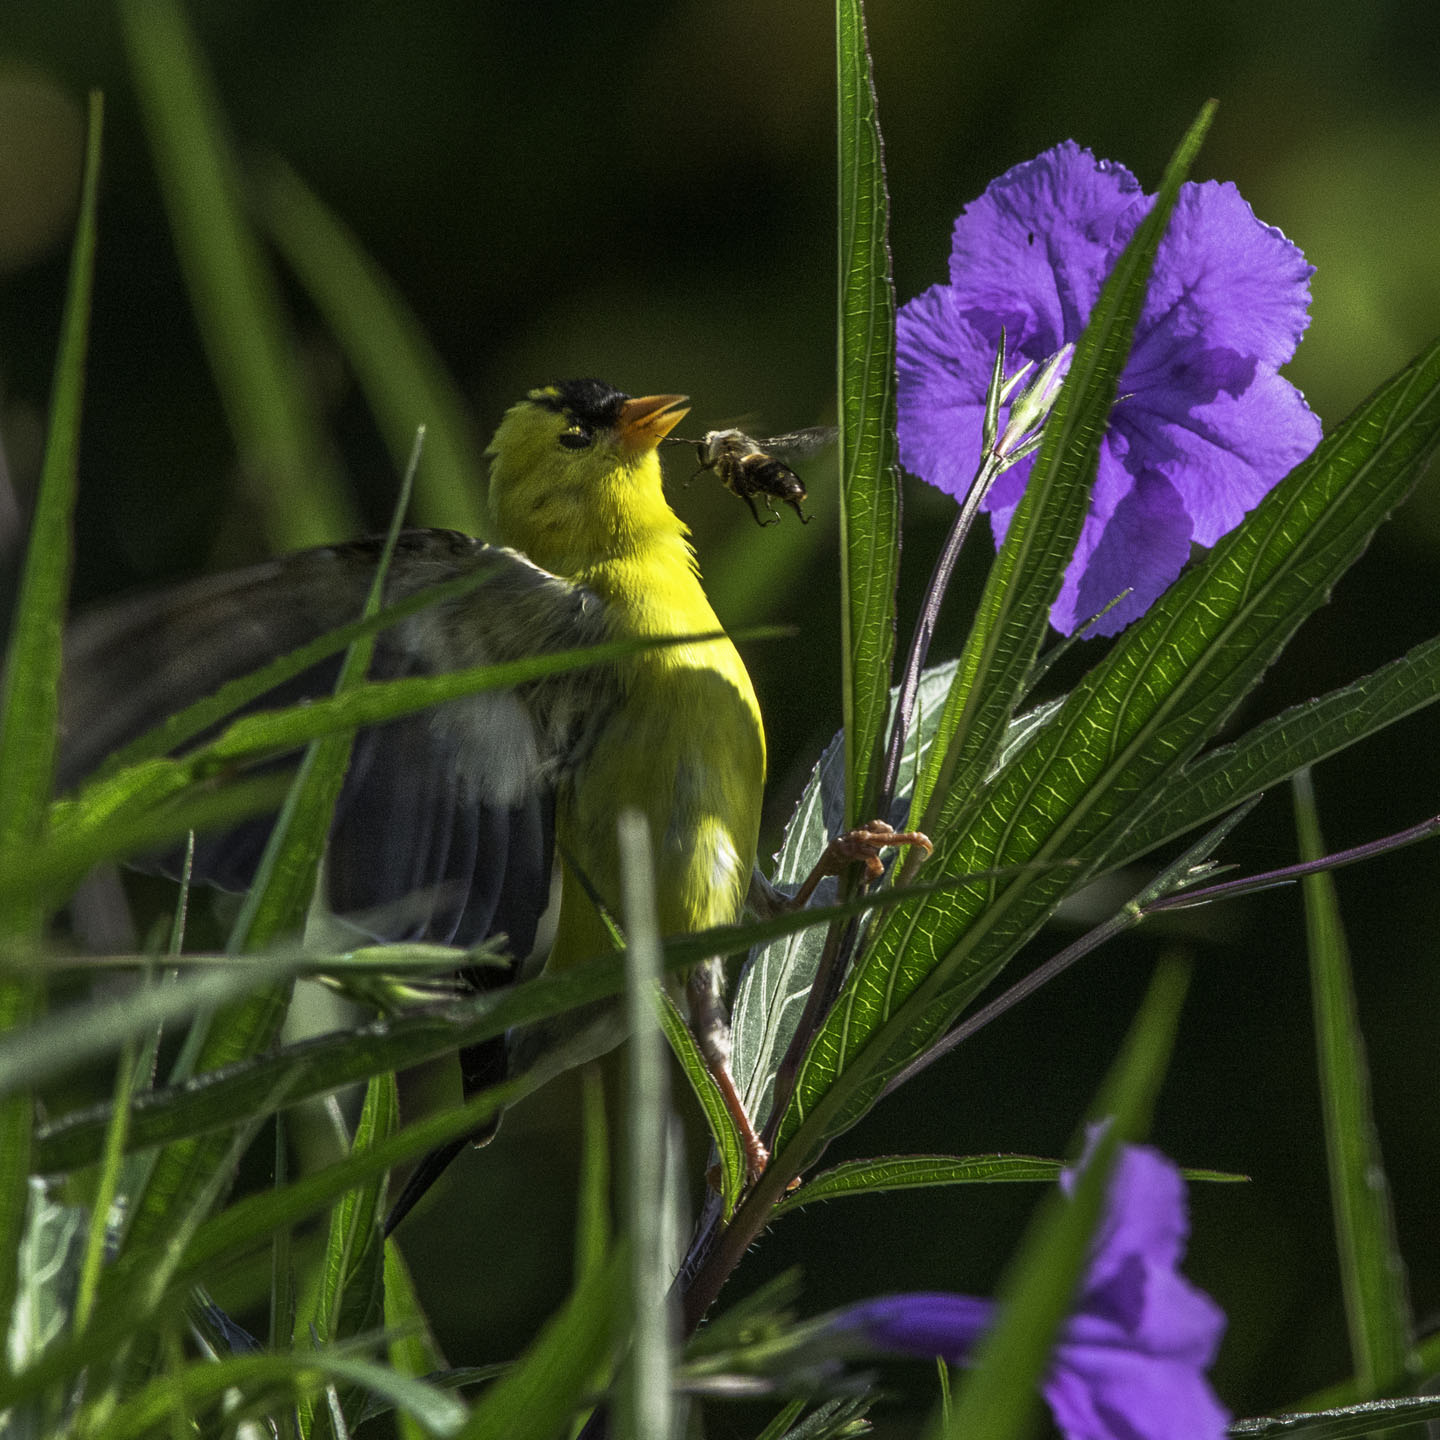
[444, 822]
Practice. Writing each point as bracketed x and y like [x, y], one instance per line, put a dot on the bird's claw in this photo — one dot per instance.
[860, 846]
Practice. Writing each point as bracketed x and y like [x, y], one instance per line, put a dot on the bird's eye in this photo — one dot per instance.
[575, 438]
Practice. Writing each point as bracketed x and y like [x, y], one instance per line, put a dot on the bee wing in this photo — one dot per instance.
[454, 803]
[798, 444]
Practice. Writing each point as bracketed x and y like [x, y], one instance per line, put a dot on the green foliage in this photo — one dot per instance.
[1025, 805]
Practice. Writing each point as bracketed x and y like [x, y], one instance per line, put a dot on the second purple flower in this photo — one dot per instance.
[1204, 425]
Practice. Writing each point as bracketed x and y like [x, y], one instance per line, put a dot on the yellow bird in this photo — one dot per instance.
[450, 812]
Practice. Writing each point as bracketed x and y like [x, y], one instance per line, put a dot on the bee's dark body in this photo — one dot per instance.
[748, 467]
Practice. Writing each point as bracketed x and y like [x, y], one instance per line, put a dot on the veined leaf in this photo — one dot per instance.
[913, 1172]
[1349, 1422]
[350, 1297]
[772, 990]
[1275, 750]
[1103, 761]
[869, 484]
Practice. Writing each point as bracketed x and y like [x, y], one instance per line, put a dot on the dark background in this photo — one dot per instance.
[645, 192]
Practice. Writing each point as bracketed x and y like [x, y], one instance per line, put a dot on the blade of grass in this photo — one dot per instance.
[646, 1410]
[401, 374]
[547, 1384]
[1377, 1308]
[29, 701]
[592, 1220]
[411, 1350]
[236, 301]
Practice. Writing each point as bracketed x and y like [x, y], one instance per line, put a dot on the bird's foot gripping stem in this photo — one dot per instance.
[860, 846]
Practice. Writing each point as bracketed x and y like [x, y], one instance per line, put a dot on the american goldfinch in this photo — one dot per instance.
[461, 806]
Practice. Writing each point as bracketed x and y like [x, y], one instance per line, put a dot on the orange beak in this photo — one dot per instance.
[646, 421]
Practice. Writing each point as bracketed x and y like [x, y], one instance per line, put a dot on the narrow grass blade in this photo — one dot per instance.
[721, 1123]
[593, 1230]
[350, 1298]
[1377, 1308]
[411, 1350]
[209, 1388]
[997, 1398]
[29, 691]
[645, 1406]
[398, 369]
[236, 301]
[548, 1383]
[913, 1172]
[869, 484]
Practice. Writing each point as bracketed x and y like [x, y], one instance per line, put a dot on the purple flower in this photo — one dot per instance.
[1204, 425]
[1130, 1361]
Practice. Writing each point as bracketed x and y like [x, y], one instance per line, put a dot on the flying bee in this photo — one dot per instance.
[748, 467]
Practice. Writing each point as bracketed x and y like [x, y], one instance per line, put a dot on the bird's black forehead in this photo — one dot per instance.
[592, 402]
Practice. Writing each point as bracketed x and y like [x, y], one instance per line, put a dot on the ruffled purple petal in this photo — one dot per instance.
[1145, 1212]
[943, 365]
[1203, 428]
[1223, 275]
[1033, 251]
[1223, 456]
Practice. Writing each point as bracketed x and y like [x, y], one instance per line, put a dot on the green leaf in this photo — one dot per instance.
[999, 655]
[1288, 742]
[48, 1263]
[192, 1392]
[548, 1384]
[285, 881]
[242, 321]
[175, 730]
[773, 987]
[170, 808]
[1347, 1423]
[350, 1298]
[644, 1404]
[171, 1264]
[593, 1230]
[721, 1123]
[328, 1062]
[869, 485]
[1104, 759]
[998, 1395]
[912, 1172]
[412, 1350]
[1377, 1309]
[397, 367]
[29, 694]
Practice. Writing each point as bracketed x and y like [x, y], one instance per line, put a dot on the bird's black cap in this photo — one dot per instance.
[592, 402]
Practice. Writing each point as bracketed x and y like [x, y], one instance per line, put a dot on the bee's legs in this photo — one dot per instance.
[710, 1023]
[795, 506]
[750, 501]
